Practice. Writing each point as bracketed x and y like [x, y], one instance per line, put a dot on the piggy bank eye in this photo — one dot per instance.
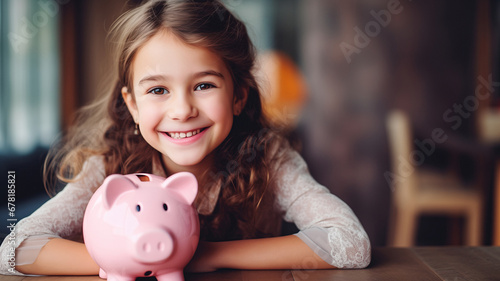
[137, 208]
[165, 207]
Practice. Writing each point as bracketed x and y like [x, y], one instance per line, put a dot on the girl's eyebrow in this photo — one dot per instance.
[161, 77]
[153, 78]
[208, 73]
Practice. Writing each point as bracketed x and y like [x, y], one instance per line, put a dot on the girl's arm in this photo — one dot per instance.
[285, 252]
[61, 257]
[65, 257]
[326, 223]
[59, 218]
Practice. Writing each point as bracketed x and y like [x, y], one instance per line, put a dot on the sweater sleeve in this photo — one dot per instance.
[326, 223]
[61, 216]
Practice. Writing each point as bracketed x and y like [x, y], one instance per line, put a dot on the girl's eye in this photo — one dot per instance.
[204, 86]
[158, 91]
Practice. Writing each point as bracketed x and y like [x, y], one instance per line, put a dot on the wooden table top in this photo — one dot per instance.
[420, 263]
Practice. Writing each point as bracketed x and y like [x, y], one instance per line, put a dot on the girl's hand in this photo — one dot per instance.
[284, 252]
[203, 259]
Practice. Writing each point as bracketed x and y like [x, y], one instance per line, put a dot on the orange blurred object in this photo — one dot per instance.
[283, 88]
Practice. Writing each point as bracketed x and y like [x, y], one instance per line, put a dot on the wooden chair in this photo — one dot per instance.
[417, 191]
[489, 132]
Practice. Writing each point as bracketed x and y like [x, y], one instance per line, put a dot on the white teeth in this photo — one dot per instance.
[183, 135]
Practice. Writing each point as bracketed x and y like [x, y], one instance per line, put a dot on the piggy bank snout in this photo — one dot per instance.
[153, 246]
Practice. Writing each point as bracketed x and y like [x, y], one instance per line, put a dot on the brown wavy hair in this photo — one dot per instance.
[243, 159]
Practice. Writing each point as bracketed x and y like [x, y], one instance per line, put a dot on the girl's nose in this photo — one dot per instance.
[181, 108]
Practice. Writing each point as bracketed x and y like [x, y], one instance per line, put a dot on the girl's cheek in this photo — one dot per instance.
[220, 110]
[149, 113]
[219, 113]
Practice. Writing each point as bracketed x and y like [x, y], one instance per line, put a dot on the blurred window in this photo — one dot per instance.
[29, 74]
[258, 18]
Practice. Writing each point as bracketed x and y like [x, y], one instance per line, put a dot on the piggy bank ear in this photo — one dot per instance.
[114, 186]
[184, 184]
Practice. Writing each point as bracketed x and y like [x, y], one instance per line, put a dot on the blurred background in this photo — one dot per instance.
[333, 71]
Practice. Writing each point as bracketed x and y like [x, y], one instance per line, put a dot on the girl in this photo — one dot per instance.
[185, 99]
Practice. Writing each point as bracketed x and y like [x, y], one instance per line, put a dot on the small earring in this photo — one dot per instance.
[136, 130]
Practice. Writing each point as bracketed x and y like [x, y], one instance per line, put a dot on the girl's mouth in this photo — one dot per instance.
[183, 135]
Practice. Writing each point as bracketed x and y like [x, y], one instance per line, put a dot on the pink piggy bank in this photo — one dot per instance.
[142, 225]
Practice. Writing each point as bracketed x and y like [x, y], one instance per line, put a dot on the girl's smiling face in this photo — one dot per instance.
[182, 99]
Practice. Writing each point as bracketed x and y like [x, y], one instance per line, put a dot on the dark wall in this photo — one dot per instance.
[421, 61]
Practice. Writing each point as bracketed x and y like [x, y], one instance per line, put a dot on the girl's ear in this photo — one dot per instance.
[239, 102]
[130, 102]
